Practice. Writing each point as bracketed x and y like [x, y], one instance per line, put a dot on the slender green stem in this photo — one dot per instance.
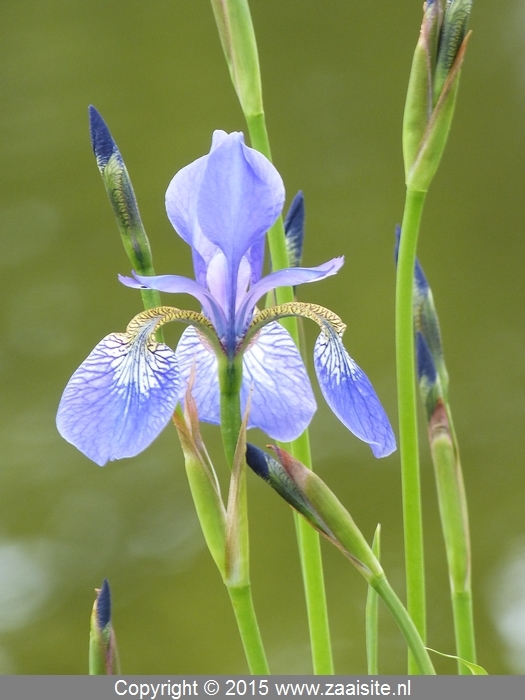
[464, 629]
[313, 579]
[230, 379]
[422, 662]
[372, 615]
[241, 598]
[308, 540]
[406, 387]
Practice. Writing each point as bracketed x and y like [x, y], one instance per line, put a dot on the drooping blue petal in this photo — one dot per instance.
[288, 277]
[350, 394]
[194, 356]
[121, 396]
[177, 284]
[282, 401]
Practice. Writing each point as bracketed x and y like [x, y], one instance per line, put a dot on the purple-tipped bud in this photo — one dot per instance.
[103, 605]
[258, 461]
[123, 201]
[431, 369]
[103, 144]
[280, 475]
[311, 497]
[103, 654]
[294, 230]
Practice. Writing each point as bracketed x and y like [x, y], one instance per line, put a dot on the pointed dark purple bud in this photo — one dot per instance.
[256, 459]
[431, 369]
[294, 230]
[426, 369]
[103, 654]
[104, 605]
[123, 201]
[280, 478]
[103, 144]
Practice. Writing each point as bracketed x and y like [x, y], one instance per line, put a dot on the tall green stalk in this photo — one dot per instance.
[408, 434]
[238, 40]
[429, 108]
[242, 603]
[237, 577]
[372, 615]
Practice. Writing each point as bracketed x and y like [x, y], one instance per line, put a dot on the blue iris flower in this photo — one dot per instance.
[124, 393]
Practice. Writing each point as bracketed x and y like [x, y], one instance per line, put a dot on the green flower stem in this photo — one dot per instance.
[241, 598]
[464, 629]
[408, 436]
[372, 611]
[454, 520]
[308, 539]
[422, 662]
[230, 379]
[313, 579]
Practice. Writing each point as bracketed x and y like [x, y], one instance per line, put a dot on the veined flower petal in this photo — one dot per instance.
[290, 276]
[177, 284]
[241, 195]
[350, 394]
[255, 256]
[181, 206]
[121, 396]
[282, 401]
[194, 356]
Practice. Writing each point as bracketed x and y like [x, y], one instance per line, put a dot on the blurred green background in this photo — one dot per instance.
[334, 77]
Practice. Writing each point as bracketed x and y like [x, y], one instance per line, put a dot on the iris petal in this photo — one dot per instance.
[121, 396]
[181, 206]
[350, 395]
[282, 401]
[283, 278]
[193, 355]
[177, 284]
[241, 195]
[181, 199]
